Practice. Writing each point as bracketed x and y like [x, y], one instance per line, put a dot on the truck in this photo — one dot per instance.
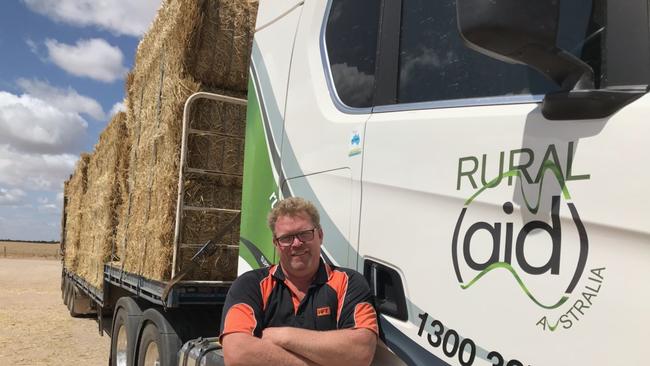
[480, 162]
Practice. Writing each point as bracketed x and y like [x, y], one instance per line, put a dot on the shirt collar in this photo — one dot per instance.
[322, 274]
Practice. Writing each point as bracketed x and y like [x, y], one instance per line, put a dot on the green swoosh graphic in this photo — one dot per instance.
[519, 281]
[548, 165]
[553, 328]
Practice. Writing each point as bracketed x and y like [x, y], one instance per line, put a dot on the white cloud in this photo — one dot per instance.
[34, 172]
[45, 205]
[32, 45]
[11, 196]
[127, 17]
[32, 125]
[93, 58]
[48, 207]
[117, 107]
[352, 82]
[67, 100]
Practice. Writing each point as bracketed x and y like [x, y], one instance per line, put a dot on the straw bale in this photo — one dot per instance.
[218, 153]
[200, 191]
[75, 188]
[217, 35]
[198, 228]
[211, 38]
[154, 119]
[167, 71]
[103, 200]
[222, 265]
[224, 118]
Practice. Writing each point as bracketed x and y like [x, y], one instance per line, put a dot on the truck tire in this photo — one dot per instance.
[159, 342]
[124, 332]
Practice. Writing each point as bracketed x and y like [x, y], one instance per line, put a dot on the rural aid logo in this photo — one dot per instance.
[544, 246]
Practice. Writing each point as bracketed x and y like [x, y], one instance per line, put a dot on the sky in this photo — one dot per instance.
[62, 69]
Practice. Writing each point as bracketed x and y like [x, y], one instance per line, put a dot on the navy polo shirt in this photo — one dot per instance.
[338, 298]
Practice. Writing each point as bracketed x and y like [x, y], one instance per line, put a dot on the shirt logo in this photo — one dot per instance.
[324, 311]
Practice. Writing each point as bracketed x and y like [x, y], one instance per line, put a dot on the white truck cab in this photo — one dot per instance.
[482, 162]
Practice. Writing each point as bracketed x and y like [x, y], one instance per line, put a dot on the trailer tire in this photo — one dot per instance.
[159, 340]
[68, 294]
[64, 282]
[124, 332]
[72, 300]
[64, 291]
[149, 352]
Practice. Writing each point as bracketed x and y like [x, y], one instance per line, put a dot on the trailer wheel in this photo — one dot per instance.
[120, 340]
[150, 347]
[63, 283]
[159, 342]
[68, 294]
[72, 301]
[64, 291]
[124, 332]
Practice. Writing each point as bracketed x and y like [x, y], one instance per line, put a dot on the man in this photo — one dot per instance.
[301, 311]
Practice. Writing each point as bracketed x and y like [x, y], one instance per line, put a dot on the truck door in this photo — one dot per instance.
[490, 234]
[325, 117]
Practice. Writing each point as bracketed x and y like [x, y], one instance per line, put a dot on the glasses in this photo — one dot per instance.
[303, 236]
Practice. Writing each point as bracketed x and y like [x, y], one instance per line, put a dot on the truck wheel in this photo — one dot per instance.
[159, 343]
[150, 347]
[124, 332]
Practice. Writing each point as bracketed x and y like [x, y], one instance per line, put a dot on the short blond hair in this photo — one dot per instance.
[293, 206]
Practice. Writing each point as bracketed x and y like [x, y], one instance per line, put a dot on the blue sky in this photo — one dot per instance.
[62, 68]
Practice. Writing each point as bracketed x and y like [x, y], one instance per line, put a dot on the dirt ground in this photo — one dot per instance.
[35, 327]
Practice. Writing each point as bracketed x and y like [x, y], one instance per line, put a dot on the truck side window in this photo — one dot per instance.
[435, 65]
[351, 40]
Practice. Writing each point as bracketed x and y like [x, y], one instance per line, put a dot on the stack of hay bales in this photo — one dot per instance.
[74, 190]
[192, 46]
[103, 199]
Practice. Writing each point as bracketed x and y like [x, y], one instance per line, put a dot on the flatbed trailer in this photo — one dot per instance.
[150, 319]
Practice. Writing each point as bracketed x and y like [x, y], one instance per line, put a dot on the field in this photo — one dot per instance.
[35, 327]
[11, 249]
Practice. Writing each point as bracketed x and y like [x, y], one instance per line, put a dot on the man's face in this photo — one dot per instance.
[300, 259]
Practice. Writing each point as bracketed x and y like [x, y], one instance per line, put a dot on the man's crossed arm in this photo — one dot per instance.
[296, 346]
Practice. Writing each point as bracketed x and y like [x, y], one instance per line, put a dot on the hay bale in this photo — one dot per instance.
[154, 120]
[102, 201]
[198, 228]
[169, 68]
[155, 123]
[200, 191]
[75, 188]
[211, 39]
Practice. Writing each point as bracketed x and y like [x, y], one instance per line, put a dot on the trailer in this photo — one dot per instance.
[149, 320]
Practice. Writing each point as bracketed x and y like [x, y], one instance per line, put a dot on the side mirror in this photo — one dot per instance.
[523, 32]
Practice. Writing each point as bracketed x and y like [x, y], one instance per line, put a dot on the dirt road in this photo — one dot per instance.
[35, 327]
